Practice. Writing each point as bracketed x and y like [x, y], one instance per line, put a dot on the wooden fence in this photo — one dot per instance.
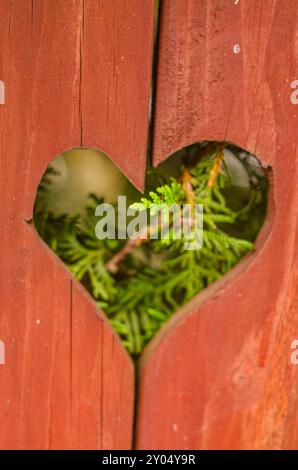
[77, 73]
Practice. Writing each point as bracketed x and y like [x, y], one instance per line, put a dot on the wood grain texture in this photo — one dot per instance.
[219, 375]
[115, 119]
[68, 67]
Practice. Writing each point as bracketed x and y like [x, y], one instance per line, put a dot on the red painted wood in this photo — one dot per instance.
[115, 119]
[219, 376]
[68, 68]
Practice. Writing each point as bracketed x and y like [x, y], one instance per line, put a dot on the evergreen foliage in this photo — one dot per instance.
[142, 288]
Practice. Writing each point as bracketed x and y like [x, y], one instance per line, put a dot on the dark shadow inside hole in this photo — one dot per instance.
[140, 284]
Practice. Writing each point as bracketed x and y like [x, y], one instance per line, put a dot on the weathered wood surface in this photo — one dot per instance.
[220, 376]
[77, 73]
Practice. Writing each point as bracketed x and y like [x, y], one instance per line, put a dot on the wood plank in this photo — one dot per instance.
[219, 375]
[67, 382]
[116, 119]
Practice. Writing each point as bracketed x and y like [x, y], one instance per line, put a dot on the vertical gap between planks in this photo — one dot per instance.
[158, 9]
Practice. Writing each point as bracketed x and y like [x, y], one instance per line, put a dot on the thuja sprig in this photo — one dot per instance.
[165, 195]
[141, 283]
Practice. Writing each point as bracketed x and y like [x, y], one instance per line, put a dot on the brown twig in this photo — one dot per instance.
[216, 167]
[187, 186]
[113, 264]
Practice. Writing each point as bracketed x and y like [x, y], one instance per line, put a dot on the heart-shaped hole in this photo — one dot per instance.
[141, 281]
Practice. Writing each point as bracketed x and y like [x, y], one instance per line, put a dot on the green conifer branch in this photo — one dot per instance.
[145, 291]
